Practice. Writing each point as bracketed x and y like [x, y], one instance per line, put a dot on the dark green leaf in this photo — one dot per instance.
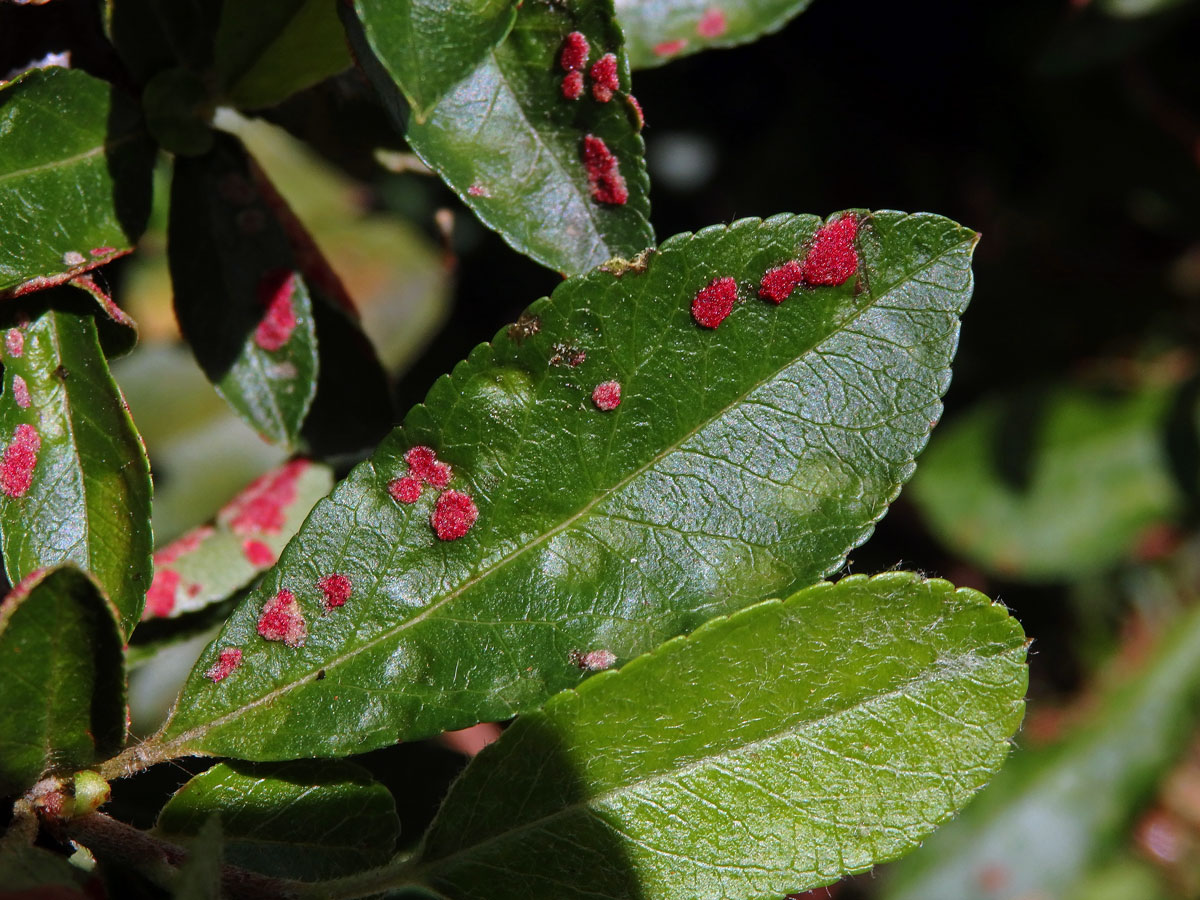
[742, 462]
[152, 35]
[63, 702]
[266, 51]
[429, 46]
[74, 480]
[1051, 484]
[210, 563]
[199, 878]
[779, 749]
[512, 147]
[1054, 813]
[178, 107]
[44, 875]
[307, 820]
[658, 31]
[75, 166]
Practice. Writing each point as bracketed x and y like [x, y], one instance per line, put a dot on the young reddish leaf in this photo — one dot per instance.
[742, 462]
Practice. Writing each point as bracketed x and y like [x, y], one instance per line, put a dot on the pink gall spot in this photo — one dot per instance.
[778, 283]
[635, 110]
[102, 251]
[832, 259]
[14, 342]
[453, 515]
[73, 258]
[670, 48]
[478, 190]
[572, 86]
[574, 52]
[20, 459]
[712, 24]
[593, 660]
[160, 599]
[405, 490]
[713, 303]
[262, 507]
[607, 396]
[604, 173]
[281, 620]
[604, 78]
[20, 392]
[229, 659]
[258, 554]
[423, 464]
[336, 589]
[182, 545]
[275, 290]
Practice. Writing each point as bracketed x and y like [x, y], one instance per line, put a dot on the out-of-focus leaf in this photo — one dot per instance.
[1053, 814]
[74, 479]
[178, 105]
[211, 562]
[309, 820]
[153, 35]
[266, 51]
[779, 749]
[742, 461]
[512, 147]
[199, 878]
[1122, 879]
[429, 46]
[1050, 485]
[75, 164]
[1134, 9]
[63, 703]
[31, 873]
[658, 31]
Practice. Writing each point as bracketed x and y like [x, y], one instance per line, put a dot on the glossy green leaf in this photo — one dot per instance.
[741, 462]
[75, 165]
[265, 52]
[210, 563]
[74, 479]
[306, 820]
[777, 750]
[512, 148]
[1055, 484]
[253, 294]
[658, 31]
[63, 702]
[1054, 813]
[429, 46]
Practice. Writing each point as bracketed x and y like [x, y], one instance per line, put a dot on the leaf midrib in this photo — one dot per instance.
[272, 695]
[101, 149]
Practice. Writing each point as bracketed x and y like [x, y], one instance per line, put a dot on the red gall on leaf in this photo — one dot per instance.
[258, 554]
[572, 86]
[20, 459]
[713, 303]
[230, 659]
[262, 507]
[593, 660]
[14, 342]
[478, 190]
[670, 48]
[160, 599]
[604, 172]
[281, 620]
[712, 24]
[453, 515]
[574, 52]
[423, 464]
[20, 391]
[607, 396]
[832, 259]
[405, 490]
[604, 78]
[275, 290]
[778, 283]
[336, 589]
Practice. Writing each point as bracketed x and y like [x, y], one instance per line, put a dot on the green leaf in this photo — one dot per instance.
[1054, 813]
[74, 479]
[430, 46]
[63, 703]
[199, 878]
[75, 166]
[212, 562]
[658, 31]
[306, 820]
[179, 106]
[742, 462]
[779, 749]
[40, 873]
[265, 52]
[1051, 484]
[152, 35]
[511, 146]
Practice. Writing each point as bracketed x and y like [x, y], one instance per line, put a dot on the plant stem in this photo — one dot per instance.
[138, 758]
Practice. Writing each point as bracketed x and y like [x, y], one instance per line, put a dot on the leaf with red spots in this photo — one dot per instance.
[74, 476]
[309, 820]
[510, 141]
[211, 563]
[742, 462]
[858, 715]
[62, 700]
[75, 166]
[255, 299]
[658, 31]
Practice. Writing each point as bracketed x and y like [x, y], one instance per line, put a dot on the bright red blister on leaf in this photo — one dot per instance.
[639, 117]
[670, 48]
[20, 459]
[281, 620]
[258, 554]
[572, 86]
[713, 303]
[21, 392]
[423, 464]
[607, 396]
[103, 251]
[160, 599]
[778, 283]
[604, 172]
[478, 190]
[184, 544]
[453, 515]
[230, 659]
[262, 507]
[14, 342]
[604, 78]
[275, 291]
[336, 589]
[833, 258]
[405, 490]
[712, 23]
[574, 52]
